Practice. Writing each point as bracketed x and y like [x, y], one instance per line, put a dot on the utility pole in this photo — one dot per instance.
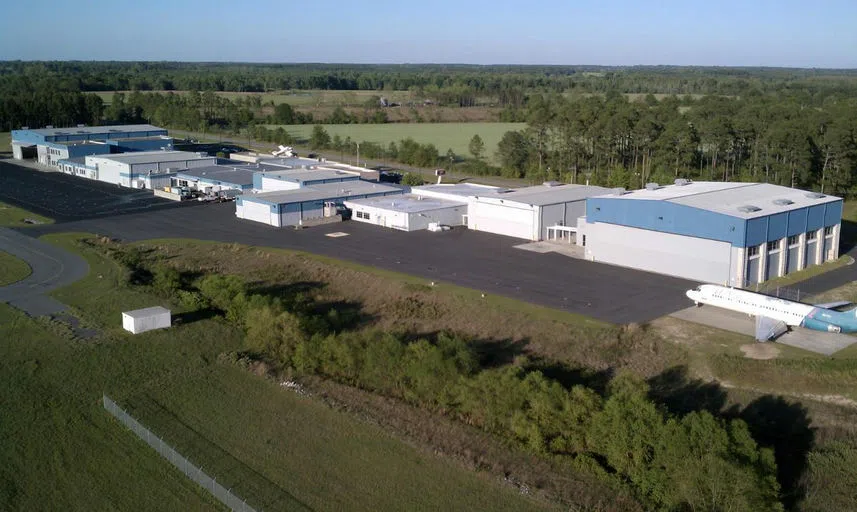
[358, 154]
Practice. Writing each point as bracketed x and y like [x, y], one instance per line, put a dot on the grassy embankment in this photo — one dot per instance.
[275, 448]
[455, 136]
[12, 269]
[14, 216]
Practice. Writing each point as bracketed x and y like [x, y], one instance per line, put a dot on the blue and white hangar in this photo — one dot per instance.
[735, 234]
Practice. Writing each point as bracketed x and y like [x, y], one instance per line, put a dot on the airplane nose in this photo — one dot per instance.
[691, 294]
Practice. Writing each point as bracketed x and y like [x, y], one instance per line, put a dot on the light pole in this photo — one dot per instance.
[358, 154]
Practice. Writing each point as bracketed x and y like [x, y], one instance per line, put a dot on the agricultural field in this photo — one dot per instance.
[12, 269]
[455, 136]
[280, 450]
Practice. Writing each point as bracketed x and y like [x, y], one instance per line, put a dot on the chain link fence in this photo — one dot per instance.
[190, 470]
[781, 292]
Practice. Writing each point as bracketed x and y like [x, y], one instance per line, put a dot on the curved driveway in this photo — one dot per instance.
[52, 268]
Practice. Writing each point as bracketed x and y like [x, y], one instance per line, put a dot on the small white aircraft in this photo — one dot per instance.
[773, 315]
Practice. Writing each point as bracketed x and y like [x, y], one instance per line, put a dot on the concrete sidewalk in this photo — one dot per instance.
[51, 267]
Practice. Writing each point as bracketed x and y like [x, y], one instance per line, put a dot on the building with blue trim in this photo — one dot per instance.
[50, 145]
[294, 207]
[217, 177]
[735, 234]
[136, 170]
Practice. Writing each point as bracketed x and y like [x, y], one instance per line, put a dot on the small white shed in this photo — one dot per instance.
[142, 320]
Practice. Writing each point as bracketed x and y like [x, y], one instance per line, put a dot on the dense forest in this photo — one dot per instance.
[786, 126]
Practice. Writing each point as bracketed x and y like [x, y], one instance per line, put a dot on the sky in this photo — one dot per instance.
[784, 33]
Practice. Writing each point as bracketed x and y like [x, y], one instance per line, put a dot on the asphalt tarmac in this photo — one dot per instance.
[482, 261]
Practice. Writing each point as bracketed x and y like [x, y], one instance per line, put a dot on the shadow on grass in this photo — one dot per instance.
[195, 316]
[847, 236]
[570, 376]
[773, 421]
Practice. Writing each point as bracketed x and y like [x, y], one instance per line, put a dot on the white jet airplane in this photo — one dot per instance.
[773, 315]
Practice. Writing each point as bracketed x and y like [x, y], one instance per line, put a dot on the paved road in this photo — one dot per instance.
[481, 261]
[52, 268]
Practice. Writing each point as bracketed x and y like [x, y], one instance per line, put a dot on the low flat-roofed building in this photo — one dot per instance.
[49, 145]
[290, 179]
[130, 169]
[237, 177]
[292, 207]
[727, 233]
[454, 191]
[407, 212]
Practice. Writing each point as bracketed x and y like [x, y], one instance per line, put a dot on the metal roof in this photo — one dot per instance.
[407, 203]
[300, 175]
[89, 130]
[235, 174]
[322, 192]
[144, 157]
[736, 199]
[457, 189]
[542, 195]
[146, 312]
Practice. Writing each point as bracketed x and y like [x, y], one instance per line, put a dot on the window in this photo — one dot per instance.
[828, 231]
[810, 235]
[773, 246]
[362, 215]
[753, 251]
[793, 240]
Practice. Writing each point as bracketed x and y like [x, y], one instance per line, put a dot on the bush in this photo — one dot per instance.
[166, 281]
[412, 179]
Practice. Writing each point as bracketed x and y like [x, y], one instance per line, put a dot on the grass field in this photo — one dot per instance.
[279, 450]
[12, 269]
[14, 216]
[307, 98]
[455, 136]
[5, 142]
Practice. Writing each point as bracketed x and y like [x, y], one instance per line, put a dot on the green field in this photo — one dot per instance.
[12, 269]
[61, 450]
[455, 136]
[14, 216]
[5, 142]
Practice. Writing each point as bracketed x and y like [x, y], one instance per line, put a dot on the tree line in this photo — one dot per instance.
[615, 142]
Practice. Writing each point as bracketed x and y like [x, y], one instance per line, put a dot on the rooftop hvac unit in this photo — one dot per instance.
[652, 186]
[619, 191]
[682, 182]
[783, 202]
[551, 183]
[814, 195]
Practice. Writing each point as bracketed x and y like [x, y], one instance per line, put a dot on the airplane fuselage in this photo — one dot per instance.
[791, 313]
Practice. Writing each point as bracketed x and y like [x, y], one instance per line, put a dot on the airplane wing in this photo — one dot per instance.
[768, 328]
[831, 305]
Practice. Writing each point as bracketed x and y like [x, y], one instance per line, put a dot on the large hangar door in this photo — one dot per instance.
[772, 269]
[259, 212]
[692, 258]
[793, 259]
[752, 275]
[501, 219]
[811, 253]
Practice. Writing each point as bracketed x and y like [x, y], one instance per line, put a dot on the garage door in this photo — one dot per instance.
[259, 212]
[501, 219]
[665, 253]
[811, 253]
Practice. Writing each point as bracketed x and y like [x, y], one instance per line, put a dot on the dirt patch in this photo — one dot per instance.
[760, 351]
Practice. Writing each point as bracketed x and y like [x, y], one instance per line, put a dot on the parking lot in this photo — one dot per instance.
[67, 198]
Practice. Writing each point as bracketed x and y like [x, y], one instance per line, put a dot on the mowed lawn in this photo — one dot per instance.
[278, 450]
[14, 216]
[12, 269]
[444, 136]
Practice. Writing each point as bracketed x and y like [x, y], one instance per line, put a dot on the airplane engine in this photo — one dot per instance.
[818, 325]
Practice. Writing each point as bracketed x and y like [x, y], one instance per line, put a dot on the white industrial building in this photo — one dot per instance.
[131, 169]
[294, 207]
[147, 319]
[291, 179]
[733, 234]
[408, 212]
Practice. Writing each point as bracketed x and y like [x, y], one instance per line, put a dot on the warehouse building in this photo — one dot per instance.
[530, 212]
[734, 234]
[132, 169]
[216, 178]
[408, 212]
[291, 179]
[295, 207]
[50, 145]
[454, 191]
